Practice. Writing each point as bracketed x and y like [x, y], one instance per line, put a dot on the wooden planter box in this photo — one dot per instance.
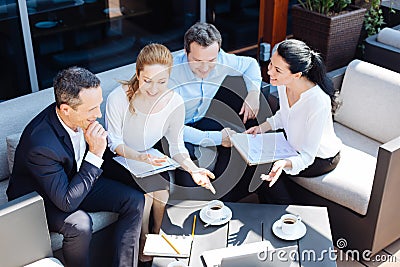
[336, 38]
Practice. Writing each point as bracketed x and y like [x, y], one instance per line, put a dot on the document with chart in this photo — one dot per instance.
[262, 148]
[141, 169]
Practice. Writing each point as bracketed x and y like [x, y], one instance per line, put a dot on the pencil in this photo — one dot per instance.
[194, 225]
[169, 243]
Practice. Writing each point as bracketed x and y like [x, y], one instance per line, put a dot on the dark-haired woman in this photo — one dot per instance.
[307, 101]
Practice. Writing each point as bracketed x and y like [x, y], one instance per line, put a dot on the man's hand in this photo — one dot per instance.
[275, 172]
[226, 137]
[95, 136]
[251, 105]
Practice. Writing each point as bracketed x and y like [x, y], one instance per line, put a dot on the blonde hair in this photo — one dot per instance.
[151, 54]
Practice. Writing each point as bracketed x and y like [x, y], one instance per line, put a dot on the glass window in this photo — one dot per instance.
[103, 34]
[14, 75]
[237, 20]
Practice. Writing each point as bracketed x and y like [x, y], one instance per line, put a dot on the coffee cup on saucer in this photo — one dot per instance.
[215, 209]
[289, 223]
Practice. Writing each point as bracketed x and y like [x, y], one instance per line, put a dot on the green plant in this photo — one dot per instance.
[373, 20]
[325, 6]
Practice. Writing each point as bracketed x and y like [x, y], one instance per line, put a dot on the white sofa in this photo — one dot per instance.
[383, 48]
[362, 192]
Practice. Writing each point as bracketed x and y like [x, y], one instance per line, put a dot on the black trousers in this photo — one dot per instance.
[280, 192]
[226, 104]
[76, 227]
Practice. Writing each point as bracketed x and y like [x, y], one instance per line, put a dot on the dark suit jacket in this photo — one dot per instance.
[45, 162]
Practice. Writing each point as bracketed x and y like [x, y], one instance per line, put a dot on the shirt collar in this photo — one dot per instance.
[70, 132]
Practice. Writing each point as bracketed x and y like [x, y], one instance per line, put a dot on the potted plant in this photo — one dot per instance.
[331, 27]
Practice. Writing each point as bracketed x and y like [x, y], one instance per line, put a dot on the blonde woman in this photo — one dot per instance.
[139, 113]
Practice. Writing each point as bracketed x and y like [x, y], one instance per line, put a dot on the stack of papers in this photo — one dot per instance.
[141, 169]
[262, 148]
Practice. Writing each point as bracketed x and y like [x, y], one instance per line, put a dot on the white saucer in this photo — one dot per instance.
[227, 215]
[299, 233]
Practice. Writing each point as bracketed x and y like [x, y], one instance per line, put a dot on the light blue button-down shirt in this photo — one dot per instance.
[197, 93]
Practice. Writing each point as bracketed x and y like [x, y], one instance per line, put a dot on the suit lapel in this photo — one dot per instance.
[62, 134]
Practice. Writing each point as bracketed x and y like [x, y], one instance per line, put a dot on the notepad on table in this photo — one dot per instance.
[156, 245]
[142, 169]
[262, 148]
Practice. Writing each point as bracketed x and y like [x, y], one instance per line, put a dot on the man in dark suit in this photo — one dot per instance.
[59, 156]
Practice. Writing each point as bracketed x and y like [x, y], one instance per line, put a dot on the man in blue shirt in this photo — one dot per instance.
[197, 75]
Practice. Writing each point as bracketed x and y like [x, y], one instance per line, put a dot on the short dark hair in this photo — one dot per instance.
[68, 83]
[204, 34]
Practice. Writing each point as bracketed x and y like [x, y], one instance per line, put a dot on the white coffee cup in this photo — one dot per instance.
[289, 223]
[215, 209]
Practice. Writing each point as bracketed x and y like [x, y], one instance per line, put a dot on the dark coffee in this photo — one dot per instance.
[289, 221]
[216, 207]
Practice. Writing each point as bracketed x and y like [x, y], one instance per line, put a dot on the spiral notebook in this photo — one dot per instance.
[141, 169]
[156, 245]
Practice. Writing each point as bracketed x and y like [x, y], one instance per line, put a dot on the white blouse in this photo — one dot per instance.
[308, 125]
[141, 131]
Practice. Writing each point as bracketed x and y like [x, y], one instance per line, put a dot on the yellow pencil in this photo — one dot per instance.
[169, 243]
[194, 225]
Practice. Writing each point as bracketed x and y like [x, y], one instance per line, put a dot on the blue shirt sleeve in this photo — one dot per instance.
[202, 138]
[246, 66]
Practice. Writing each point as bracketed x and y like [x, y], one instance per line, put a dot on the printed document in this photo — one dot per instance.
[262, 148]
[142, 169]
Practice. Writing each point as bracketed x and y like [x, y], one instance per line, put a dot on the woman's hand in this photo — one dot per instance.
[150, 159]
[254, 130]
[275, 172]
[262, 128]
[201, 177]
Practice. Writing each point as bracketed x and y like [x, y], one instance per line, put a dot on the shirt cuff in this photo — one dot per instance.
[271, 122]
[93, 159]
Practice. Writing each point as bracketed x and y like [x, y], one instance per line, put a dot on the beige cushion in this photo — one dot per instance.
[367, 107]
[350, 184]
[12, 142]
[46, 262]
[390, 37]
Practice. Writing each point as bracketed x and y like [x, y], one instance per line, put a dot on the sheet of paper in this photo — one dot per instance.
[156, 245]
[142, 169]
[214, 257]
[263, 148]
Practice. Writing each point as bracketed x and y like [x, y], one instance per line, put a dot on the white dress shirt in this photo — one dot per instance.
[79, 145]
[308, 125]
